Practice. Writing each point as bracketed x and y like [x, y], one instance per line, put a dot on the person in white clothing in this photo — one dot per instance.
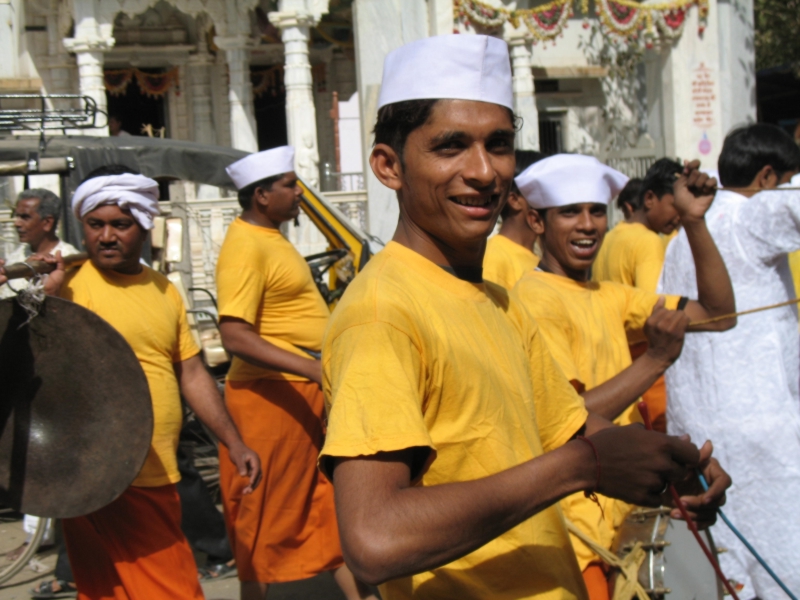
[36, 221]
[740, 387]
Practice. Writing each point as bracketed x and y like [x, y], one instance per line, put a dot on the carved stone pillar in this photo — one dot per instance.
[202, 116]
[524, 96]
[240, 91]
[300, 112]
[89, 55]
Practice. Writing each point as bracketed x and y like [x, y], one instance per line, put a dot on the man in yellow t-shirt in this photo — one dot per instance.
[134, 547]
[272, 318]
[509, 254]
[450, 427]
[633, 253]
[587, 325]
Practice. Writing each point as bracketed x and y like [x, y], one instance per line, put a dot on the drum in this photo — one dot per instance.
[675, 566]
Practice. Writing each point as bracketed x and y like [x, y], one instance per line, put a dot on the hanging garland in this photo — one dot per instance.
[152, 85]
[624, 18]
[268, 80]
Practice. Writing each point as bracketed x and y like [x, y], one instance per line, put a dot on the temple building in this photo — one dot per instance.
[625, 81]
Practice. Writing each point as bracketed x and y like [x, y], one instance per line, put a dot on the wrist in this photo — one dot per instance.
[691, 223]
[656, 361]
[585, 464]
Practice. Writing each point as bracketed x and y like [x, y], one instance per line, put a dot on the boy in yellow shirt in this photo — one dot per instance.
[587, 325]
[272, 318]
[134, 547]
[452, 433]
[509, 254]
[633, 253]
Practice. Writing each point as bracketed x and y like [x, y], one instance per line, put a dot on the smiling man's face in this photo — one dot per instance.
[571, 237]
[457, 171]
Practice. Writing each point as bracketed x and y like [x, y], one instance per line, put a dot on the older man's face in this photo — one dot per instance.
[114, 239]
[31, 227]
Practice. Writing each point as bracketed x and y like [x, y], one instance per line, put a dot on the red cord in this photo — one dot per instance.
[689, 522]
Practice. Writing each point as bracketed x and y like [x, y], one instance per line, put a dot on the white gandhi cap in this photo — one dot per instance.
[566, 179]
[457, 67]
[261, 165]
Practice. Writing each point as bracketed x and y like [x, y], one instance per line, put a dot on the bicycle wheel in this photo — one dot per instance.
[7, 572]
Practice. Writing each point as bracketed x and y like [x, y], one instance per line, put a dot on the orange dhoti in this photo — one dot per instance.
[656, 397]
[286, 529]
[133, 549]
[596, 580]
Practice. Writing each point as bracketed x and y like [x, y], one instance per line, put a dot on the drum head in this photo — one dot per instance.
[76, 418]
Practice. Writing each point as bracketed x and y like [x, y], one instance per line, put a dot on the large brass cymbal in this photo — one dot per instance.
[76, 418]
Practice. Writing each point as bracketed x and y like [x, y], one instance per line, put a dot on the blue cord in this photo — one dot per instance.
[752, 550]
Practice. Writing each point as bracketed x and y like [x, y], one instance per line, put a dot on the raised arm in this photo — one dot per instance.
[391, 529]
[200, 393]
[694, 193]
[240, 339]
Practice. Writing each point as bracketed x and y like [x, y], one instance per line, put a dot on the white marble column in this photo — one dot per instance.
[524, 96]
[202, 117]
[240, 91]
[301, 120]
[89, 55]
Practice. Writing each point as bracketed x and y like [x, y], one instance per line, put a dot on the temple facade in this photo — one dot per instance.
[617, 80]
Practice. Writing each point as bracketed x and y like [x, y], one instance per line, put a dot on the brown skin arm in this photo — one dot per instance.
[391, 529]
[200, 392]
[240, 339]
[694, 193]
[665, 333]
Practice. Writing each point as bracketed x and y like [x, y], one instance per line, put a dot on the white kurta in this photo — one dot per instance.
[740, 388]
[20, 254]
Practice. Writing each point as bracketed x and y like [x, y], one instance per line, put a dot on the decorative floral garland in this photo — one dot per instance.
[624, 18]
[153, 85]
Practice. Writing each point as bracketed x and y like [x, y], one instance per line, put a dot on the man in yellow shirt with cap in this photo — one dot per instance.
[588, 325]
[452, 433]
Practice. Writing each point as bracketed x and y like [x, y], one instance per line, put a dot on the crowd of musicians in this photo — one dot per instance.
[465, 400]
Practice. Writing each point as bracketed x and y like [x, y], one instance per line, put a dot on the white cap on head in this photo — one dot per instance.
[136, 193]
[458, 67]
[566, 179]
[261, 165]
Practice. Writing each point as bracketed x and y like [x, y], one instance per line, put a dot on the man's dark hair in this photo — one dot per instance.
[629, 194]
[524, 158]
[659, 179]
[749, 149]
[113, 169]
[49, 204]
[246, 194]
[396, 121]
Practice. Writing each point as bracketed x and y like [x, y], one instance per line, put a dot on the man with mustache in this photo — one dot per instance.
[36, 218]
[272, 318]
[134, 547]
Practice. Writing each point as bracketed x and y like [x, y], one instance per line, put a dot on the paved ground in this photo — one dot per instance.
[321, 587]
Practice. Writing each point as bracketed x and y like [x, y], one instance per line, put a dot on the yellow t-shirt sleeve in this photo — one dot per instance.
[240, 293]
[639, 306]
[373, 384]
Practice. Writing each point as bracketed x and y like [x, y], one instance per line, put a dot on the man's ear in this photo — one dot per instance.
[765, 179]
[650, 200]
[261, 197]
[535, 221]
[48, 224]
[517, 202]
[386, 165]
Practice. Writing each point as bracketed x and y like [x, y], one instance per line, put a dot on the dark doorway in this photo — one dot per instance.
[269, 104]
[135, 109]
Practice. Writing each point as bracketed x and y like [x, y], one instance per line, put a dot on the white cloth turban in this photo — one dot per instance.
[137, 193]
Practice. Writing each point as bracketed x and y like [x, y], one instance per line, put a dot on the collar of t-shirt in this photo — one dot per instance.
[469, 274]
